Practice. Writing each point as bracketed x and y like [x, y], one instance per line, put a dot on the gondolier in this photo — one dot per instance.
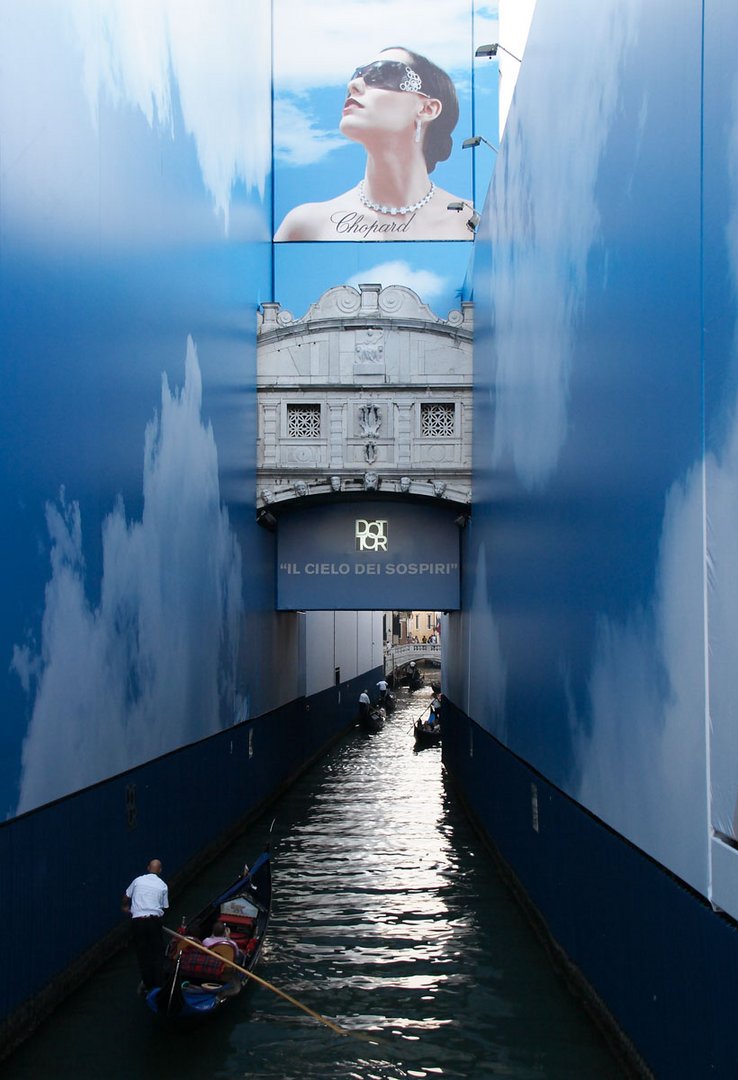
[146, 899]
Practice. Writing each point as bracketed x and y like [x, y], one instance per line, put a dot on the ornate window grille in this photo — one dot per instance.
[437, 420]
[303, 421]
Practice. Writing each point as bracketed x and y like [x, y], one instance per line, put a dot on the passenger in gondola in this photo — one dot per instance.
[221, 935]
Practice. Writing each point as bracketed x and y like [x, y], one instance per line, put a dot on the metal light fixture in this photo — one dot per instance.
[491, 50]
[473, 220]
[475, 140]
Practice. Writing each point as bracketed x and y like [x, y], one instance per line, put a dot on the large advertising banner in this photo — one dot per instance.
[368, 556]
[135, 176]
[368, 132]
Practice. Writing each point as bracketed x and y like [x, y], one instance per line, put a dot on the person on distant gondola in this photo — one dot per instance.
[364, 705]
[434, 717]
[383, 687]
[145, 900]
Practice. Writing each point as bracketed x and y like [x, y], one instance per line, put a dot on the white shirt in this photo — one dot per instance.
[382, 684]
[148, 895]
[364, 699]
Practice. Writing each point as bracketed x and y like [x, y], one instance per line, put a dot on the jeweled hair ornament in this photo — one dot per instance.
[412, 81]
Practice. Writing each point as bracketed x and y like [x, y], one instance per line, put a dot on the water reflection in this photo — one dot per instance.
[387, 919]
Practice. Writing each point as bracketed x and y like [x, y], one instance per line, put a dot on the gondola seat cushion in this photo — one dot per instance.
[200, 967]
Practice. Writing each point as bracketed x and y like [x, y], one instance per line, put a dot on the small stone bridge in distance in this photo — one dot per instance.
[399, 656]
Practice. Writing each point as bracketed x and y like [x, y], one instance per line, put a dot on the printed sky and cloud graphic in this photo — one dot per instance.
[540, 277]
[427, 284]
[136, 157]
[651, 743]
[140, 54]
[164, 60]
[153, 665]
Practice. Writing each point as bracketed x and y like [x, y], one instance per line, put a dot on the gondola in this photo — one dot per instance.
[425, 736]
[414, 680]
[372, 719]
[388, 702]
[197, 984]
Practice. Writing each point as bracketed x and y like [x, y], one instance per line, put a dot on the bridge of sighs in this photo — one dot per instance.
[364, 448]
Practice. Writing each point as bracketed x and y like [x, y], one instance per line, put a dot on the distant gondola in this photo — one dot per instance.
[372, 719]
[414, 679]
[388, 701]
[425, 736]
[196, 983]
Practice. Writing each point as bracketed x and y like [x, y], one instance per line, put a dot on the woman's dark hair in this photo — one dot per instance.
[437, 84]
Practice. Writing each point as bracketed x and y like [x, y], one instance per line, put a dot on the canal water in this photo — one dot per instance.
[388, 918]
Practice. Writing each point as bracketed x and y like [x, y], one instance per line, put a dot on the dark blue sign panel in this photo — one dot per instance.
[368, 556]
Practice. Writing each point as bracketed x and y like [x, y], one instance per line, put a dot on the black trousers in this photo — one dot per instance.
[148, 942]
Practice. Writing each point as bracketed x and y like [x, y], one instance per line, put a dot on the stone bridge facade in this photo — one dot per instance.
[367, 392]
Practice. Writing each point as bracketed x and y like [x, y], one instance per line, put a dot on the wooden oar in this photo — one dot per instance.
[270, 986]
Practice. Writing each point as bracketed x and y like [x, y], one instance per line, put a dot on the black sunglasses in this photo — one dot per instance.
[390, 75]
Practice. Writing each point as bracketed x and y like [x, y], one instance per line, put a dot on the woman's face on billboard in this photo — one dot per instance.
[380, 99]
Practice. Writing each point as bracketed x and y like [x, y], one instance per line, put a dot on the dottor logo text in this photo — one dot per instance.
[371, 535]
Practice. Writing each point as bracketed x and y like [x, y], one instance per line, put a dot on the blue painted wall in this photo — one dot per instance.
[664, 964]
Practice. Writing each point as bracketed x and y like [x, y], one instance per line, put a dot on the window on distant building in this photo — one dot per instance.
[303, 421]
[437, 420]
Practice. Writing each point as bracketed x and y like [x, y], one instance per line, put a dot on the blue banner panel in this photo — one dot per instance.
[368, 556]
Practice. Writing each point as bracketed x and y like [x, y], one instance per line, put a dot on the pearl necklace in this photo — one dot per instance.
[395, 209]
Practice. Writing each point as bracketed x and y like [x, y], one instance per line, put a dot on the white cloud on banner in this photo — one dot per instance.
[153, 666]
[320, 45]
[654, 707]
[62, 57]
[541, 235]
[641, 759]
[425, 283]
[133, 50]
[298, 139]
